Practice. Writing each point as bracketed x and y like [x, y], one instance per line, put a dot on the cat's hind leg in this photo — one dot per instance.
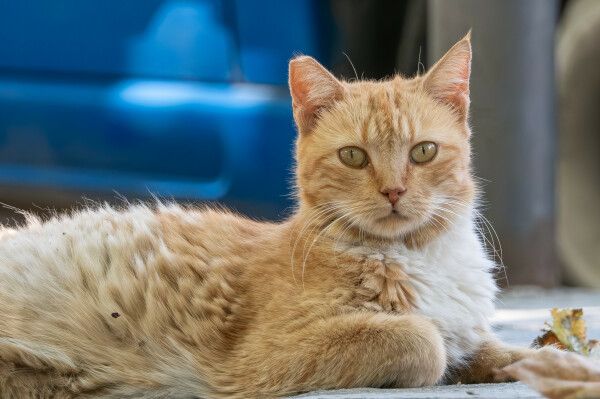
[491, 355]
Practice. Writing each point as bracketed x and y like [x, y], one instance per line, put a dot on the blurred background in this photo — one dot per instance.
[188, 99]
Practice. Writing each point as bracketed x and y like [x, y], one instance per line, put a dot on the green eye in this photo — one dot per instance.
[353, 156]
[423, 152]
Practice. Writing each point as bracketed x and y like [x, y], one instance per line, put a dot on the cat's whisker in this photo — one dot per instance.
[490, 226]
[335, 206]
[334, 214]
[482, 223]
[313, 219]
[312, 215]
[354, 101]
[330, 209]
[345, 227]
[433, 223]
[305, 257]
[438, 221]
[341, 232]
[495, 239]
[311, 224]
[327, 207]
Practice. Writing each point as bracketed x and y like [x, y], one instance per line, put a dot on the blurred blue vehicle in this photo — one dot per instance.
[185, 99]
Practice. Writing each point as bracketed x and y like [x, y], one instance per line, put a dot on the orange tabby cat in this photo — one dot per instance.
[378, 280]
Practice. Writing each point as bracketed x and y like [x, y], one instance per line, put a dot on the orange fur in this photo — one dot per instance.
[349, 292]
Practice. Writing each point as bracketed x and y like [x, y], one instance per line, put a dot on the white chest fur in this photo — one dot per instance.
[450, 283]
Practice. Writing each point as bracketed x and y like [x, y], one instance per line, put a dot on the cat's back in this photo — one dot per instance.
[110, 262]
[103, 237]
[129, 288]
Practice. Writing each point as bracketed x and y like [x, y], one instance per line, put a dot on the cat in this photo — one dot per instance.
[379, 279]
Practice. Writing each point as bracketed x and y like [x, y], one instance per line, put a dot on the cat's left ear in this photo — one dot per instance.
[313, 90]
[448, 79]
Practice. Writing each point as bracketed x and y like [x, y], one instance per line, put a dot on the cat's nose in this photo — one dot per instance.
[393, 194]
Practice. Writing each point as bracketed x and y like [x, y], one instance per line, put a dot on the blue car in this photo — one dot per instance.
[179, 99]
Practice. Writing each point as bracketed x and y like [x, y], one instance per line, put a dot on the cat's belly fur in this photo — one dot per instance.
[453, 283]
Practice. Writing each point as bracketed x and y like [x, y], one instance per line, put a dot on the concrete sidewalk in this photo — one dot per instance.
[520, 316]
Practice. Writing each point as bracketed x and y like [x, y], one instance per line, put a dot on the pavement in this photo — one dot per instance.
[518, 320]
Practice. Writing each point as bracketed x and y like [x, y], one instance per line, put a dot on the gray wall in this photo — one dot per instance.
[513, 119]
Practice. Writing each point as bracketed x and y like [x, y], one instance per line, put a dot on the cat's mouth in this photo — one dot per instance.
[395, 213]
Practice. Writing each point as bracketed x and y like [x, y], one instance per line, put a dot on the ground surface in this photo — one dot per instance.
[520, 316]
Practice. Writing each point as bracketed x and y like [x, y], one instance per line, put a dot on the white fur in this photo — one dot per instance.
[453, 281]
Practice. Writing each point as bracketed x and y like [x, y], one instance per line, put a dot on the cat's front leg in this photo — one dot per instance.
[360, 349]
[492, 355]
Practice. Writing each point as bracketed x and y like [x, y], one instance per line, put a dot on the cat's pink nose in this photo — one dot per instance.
[393, 194]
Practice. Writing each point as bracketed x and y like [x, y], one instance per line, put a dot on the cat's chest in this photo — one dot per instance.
[451, 285]
[400, 280]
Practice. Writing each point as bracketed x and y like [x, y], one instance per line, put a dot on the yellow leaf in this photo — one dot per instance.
[568, 331]
[569, 327]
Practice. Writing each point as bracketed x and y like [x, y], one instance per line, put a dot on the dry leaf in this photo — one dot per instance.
[548, 339]
[568, 331]
[559, 375]
[594, 349]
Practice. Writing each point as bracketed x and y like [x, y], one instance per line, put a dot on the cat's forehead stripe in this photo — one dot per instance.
[395, 110]
[406, 126]
[366, 126]
[388, 112]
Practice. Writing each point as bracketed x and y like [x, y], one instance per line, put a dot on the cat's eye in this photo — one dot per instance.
[423, 152]
[353, 156]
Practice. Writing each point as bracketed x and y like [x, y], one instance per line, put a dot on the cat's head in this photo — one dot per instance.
[391, 159]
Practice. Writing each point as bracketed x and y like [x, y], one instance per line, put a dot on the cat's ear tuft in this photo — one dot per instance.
[448, 79]
[313, 89]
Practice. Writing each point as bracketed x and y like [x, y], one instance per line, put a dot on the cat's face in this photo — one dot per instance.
[390, 159]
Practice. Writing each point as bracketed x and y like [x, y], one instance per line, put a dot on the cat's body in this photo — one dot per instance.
[183, 302]
[113, 288]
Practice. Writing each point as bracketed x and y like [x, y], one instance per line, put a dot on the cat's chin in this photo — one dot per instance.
[395, 216]
[392, 226]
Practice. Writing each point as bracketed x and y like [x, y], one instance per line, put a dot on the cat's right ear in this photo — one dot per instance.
[313, 89]
[448, 79]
